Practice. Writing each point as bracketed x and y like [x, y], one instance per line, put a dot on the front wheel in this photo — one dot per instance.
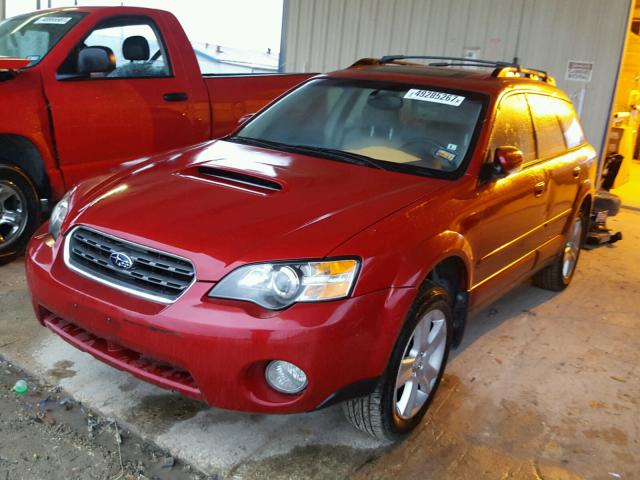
[557, 276]
[417, 363]
[19, 213]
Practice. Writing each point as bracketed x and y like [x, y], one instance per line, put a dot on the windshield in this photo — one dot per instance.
[31, 36]
[414, 129]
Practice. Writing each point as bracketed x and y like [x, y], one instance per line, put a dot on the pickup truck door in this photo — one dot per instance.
[513, 208]
[141, 107]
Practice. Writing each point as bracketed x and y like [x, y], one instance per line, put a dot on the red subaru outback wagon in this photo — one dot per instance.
[329, 249]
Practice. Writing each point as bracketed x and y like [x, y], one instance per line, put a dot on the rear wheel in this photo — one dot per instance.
[557, 276]
[417, 363]
[19, 213]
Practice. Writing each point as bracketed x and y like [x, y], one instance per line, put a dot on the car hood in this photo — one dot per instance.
[225, 204]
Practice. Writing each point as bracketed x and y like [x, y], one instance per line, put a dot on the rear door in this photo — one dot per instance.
[513, 208]
[140, 108]
[559, 137]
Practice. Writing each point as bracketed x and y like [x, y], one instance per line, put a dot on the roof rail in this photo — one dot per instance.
[501, 69]
[520, 72]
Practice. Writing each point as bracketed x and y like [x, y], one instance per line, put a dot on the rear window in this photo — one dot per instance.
[549, 134]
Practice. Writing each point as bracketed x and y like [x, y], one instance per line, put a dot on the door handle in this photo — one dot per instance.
[175, 97]
[538, 188]
[576, 172]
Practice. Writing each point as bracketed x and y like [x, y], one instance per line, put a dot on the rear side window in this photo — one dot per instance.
[513, 127]
[549, 134]
[573, 134]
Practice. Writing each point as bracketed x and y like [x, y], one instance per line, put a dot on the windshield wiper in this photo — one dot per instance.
[333, 153]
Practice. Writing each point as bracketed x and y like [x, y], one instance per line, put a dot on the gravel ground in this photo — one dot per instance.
[47, 435]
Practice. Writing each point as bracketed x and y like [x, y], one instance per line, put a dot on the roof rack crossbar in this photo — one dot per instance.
[458, 60]
[501, 69]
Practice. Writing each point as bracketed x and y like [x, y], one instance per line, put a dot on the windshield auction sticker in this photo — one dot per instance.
[434, 97]
[52, 20]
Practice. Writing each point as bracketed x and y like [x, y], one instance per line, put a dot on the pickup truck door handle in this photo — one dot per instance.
[576, 172]
[538, 189]
[175, 97]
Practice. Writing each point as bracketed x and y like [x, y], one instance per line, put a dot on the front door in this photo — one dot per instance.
[513, 209]
[133, 111]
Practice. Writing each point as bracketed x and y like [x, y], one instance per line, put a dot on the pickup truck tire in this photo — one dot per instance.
[557, 276]
[19, 212]
[414, 365]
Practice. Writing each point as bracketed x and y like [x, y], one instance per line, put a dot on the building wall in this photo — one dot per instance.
[323, 35]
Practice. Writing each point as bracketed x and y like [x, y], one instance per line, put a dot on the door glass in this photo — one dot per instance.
[513, 127]
[573, 134]
[548, 132]
[138, 50]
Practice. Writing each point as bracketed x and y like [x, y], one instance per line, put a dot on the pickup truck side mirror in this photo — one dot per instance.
[505, 161]
[96, 60]
[245, 118]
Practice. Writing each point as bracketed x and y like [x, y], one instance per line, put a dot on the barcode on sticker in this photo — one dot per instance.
[435, 97]
[52, 20]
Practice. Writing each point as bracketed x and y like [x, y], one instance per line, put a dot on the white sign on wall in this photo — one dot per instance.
[579, 71]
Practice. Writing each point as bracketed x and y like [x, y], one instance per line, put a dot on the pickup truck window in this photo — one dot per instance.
[513, 127]
[32, 36]
[136, 44]
[409, 128]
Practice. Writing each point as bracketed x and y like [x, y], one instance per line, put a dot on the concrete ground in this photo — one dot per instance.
[545, 386]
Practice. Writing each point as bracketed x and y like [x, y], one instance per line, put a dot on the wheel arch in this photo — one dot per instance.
[19, 151]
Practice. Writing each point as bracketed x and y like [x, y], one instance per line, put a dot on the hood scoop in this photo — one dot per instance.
[234, 179]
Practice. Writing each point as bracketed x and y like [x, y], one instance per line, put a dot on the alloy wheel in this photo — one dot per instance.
[13, 213]
[572, 249]
[421, 364]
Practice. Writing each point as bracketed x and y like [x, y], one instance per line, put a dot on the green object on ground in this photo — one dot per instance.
[21, 387]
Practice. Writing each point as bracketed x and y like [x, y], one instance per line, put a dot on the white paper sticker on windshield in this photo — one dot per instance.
[53, 20]
[434, 97]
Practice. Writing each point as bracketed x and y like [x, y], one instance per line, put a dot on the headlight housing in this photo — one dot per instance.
[278, 285]
[58, 214]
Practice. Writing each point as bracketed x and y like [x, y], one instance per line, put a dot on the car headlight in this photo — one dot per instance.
[279, 285]
[58, 214]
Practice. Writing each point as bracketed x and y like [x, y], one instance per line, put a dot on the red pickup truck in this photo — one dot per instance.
[85, 89]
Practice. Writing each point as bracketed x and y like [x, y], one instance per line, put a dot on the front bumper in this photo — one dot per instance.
[217, 350]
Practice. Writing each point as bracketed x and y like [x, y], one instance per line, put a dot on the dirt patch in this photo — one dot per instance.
[157, 413]
[46, 435]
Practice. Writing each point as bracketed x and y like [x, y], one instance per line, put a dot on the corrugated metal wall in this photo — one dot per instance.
[323, 35]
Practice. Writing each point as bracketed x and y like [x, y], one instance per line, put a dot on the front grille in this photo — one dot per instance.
[154, 275]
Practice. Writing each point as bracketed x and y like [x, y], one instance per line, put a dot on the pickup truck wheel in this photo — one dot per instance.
[19, 213]
[557, 276]
[418, 360]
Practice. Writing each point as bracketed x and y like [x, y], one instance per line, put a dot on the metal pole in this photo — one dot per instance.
[3, 10]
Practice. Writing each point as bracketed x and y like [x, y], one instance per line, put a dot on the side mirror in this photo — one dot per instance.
[96, 60]
[245, 118]
[507, 160]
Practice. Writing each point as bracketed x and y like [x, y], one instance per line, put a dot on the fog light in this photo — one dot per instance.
[285, 377]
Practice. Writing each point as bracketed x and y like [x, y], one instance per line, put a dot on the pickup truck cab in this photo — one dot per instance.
[85, 89]
[329, 249]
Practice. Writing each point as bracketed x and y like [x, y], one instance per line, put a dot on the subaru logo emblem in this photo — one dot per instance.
[121, 260]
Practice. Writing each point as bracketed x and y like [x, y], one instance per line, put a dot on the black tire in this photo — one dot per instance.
[15, 182]
[554, 277]
[376, 414]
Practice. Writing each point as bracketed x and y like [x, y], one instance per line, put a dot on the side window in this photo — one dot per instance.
[513, 127]
[548, 132]
[573, 134]
[136, 44]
